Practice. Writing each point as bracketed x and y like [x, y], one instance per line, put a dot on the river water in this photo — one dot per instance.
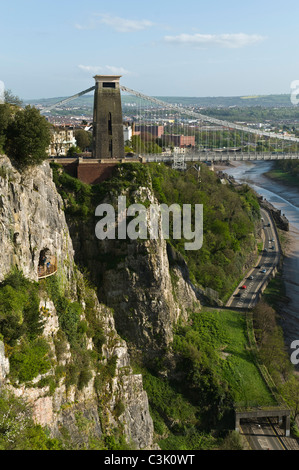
[287, 200]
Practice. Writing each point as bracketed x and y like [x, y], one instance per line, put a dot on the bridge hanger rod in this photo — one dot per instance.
[65, 100]
[203, 117]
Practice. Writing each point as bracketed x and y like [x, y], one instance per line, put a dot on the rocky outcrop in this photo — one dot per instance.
[68, 407]
[147, 297]
[32, 220]
[145, 283]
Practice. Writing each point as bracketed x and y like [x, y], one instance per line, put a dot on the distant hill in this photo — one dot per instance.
[238, 101]
[265, 101]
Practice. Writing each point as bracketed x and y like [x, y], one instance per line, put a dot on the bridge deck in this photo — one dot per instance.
[188, 157]
[223, 156]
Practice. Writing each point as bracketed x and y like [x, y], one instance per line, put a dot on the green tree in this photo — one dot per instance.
[28, 136]
[290, 391]
[73, 151]
[83, 139]
[12, 99]
[6, 113]
[137, 144]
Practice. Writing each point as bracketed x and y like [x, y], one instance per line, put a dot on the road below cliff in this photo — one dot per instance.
[248, 292]
[285, 199]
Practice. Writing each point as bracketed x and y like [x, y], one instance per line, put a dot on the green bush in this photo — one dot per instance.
[19, 308]
[119, 408]
[18, 430]
[176, 418]
[28, 360]
[68, 312]
[69, 317]
[84, 377]
[228, 223]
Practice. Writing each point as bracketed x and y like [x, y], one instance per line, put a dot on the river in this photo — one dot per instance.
[287, 200]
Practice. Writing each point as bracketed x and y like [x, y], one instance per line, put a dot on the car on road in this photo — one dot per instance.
[250, 278]
[263, 271]
[244, 287]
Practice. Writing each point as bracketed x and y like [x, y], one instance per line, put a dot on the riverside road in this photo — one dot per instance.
[263, 434]
[285, 199]
[247, 293]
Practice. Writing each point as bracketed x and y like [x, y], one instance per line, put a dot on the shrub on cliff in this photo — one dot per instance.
[27, 137]
[19, 308]
[29, 359]
[18, 431]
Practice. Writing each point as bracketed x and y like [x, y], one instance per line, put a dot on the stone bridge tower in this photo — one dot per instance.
[108, 134]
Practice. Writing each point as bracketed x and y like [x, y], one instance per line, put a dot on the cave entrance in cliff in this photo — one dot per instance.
[47, 264]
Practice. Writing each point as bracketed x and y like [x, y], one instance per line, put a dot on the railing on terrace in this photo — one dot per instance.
[48, 268]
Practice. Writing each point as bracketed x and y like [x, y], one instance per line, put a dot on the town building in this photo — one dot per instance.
[62, 139]
[153, 129]
[128, 132]
[180, 141]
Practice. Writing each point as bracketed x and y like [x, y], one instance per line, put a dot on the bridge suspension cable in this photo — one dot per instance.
[224, 124]
[66, 100]
[203, 117]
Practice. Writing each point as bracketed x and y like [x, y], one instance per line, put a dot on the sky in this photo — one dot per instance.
[160, 47]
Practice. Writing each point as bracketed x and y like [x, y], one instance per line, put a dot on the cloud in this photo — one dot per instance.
[81, 27]
[121, 25]
[231, 41]
[107, 69]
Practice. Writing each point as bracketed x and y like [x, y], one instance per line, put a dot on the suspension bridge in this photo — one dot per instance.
[167, 132]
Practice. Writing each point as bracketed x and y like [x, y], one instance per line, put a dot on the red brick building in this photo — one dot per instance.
[181, 141]
[154, 130]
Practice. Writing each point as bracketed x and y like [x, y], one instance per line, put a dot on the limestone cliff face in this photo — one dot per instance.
[61, 409]
[32, 220]
[145, 283]
[147, 296]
